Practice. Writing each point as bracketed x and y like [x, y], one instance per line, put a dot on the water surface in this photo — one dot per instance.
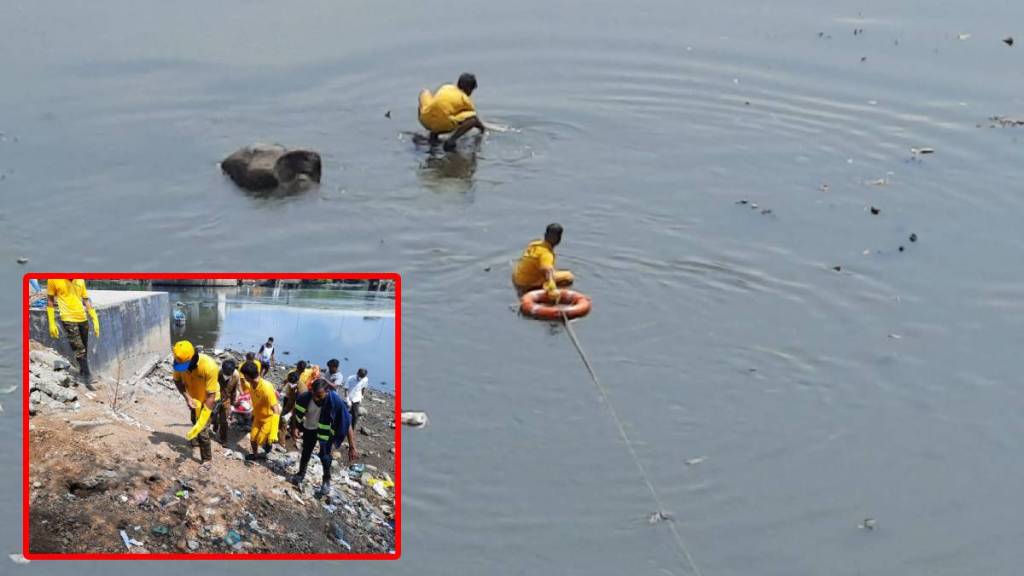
[722, 332]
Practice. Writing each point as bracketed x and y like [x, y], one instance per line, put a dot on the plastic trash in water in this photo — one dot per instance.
[415, 419]
[356, 470]
[232, 538]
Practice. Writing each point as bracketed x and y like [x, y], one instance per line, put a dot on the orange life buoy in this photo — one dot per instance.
[538, 304]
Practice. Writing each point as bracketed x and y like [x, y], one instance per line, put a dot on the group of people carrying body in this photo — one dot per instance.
[320, 409]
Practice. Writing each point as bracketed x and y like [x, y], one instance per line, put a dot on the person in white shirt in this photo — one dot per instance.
[335, 377]
[356, 384]
[266, 355]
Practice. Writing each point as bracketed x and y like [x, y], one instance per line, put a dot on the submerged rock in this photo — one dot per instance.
[267, 166]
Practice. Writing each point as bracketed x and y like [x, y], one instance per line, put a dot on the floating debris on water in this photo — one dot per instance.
[1008, 40]
[387, 114]
[875, 210]
[868, 524]
[18, 558]
[659, 516]
[913, 237]
[837, 268]
[695, 461]
[922, 150]
[823, 188]
[1006, 121]
[895, 336]
[23, 260]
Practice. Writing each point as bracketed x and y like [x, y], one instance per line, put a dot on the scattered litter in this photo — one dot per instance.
[18, 558]
[878, 182]
[160, 530]
[923, 150]
[659, 516]
[895, 336]
[963, 36]
[1006, 121]
[232, 538]
[182, 494]
[867, 524]
[823, 188]
[694, 461]
[22, 260]
[415, 419]
[126, 539]
[296, 497]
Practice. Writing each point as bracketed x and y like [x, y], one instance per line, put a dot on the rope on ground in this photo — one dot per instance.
[629, 446]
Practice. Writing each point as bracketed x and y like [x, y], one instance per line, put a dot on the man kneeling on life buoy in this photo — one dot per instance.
[450, 109]
[536, 267]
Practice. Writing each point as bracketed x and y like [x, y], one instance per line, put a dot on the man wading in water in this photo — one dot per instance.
[72, 299]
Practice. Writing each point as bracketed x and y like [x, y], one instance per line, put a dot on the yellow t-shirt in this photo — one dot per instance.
[69, 295]
[202, 380]
[264, 398]
[446, 109]
[530, 268]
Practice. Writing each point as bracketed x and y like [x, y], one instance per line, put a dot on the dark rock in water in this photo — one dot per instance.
[266, 166]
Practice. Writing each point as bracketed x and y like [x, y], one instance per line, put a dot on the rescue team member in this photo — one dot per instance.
[251, 357]
[354, 397]
[266, 356]
[195, 376]
[450, 109]
[73, 302]
[324, 420]
[230, 381]
[266, 411]
[536, 267]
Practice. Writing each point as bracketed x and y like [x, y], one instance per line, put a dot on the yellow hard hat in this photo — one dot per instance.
[183, 353]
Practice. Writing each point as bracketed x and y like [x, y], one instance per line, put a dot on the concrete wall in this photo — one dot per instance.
[134, 329]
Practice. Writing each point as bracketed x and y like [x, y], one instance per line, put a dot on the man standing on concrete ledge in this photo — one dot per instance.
[195, 376]
[73, 301]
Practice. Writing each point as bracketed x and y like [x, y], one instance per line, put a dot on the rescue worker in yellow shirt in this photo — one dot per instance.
[230, 383]
[450, 110]
[72, 300]
[266, 411]
[536, 267]
[195, 376]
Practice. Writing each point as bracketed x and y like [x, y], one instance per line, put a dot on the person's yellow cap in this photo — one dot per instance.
[183, 353]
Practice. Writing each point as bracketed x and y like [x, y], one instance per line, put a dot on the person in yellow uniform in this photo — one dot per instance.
[266, 411]
[195, 376]
[450, 110]
[536, 267]
[72, 300]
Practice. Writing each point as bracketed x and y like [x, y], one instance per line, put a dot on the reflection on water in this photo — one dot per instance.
[452, 171]
[356, 327]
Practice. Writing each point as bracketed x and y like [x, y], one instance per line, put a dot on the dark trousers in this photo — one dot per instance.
[220, 421]
[203, 439]
[355, 414]
[78, 337]
[309, 441]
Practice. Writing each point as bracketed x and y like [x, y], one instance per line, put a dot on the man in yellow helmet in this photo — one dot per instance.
[536, 267]
[450, 109]
[195, 376]
[72, 299]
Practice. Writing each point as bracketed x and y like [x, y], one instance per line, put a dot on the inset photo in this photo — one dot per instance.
[198, 416]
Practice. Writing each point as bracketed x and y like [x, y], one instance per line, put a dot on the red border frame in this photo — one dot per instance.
[214, 276]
